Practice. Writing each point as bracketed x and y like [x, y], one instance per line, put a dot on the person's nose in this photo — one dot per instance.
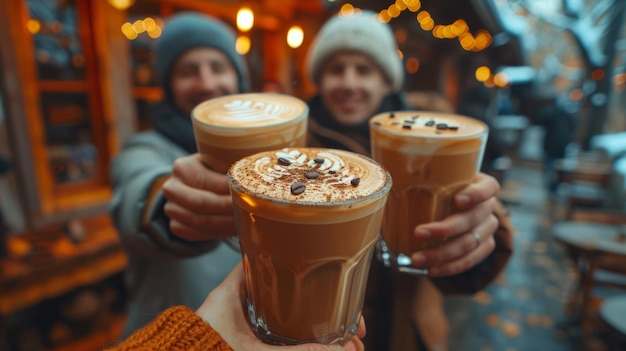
[206, 79]
[350, 79]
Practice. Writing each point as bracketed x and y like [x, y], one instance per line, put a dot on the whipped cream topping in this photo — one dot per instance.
[309, 175]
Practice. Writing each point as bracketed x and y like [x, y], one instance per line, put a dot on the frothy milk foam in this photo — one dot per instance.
[231, 127]
[431, 156]
[308, 220]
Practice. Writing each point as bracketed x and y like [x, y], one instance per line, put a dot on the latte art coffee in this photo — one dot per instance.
[308, 220]
[431, 156]
[231, 127]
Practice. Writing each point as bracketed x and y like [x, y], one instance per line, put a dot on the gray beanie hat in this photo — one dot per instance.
[189, 30]
[361, 32]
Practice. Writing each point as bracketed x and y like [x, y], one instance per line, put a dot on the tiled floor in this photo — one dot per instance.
[524, 309]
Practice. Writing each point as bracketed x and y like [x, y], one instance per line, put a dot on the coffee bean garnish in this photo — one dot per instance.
[406, 126]
[284, 161]
[453, 127]
[298, 188]
[430, 123]
[415, 117]
[377, 123]
[442, 126]
[410, 121]
[318, 160]
[311, 175]
[355, 181]
[392, 115]
[332, 171]
[395, 123]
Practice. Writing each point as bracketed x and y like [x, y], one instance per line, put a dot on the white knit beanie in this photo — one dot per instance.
[361, 32]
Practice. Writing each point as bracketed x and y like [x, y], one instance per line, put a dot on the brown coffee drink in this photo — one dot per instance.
[431, 156]
[308, 220]
[231, 127]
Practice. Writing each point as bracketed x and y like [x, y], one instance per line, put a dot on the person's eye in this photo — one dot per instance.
[219, 68]
[335, 70]
[364, 70]
[186, 71]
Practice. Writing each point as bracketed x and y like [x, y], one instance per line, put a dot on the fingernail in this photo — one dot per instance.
[422, 234]
[418, 259]
[462, 200]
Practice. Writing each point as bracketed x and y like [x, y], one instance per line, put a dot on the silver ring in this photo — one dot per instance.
[477, 238]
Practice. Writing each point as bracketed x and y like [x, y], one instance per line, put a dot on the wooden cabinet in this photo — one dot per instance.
[67, 101]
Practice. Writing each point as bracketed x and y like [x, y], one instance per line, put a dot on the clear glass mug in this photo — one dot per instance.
[431, 156]
[308, 231]
[231, 127]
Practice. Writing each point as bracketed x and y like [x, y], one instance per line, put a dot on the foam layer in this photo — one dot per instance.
[420, 132]
[433, 124]
[309, 175]
[249, 110]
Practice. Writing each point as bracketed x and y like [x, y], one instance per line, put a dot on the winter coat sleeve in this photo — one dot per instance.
[137, 205]
[176, 328]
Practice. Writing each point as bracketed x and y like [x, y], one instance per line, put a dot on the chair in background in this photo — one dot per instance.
[598, 251]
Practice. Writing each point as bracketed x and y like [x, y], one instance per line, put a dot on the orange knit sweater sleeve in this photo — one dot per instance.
[177, 328]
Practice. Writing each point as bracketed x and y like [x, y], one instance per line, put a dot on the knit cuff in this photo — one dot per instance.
[177, 328]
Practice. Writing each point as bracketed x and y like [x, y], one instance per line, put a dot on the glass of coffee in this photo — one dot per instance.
[308, 220]
[431, 156]
[230, 127]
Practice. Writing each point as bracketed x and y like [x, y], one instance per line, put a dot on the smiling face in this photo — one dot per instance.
[201, 74]
[352, 87]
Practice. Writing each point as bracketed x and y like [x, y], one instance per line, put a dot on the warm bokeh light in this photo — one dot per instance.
[245, 19]
[427, 24]
[401, 4]
[576, 95]
[394, 11]
[483, 73]
[242, 45]
[384, 17]
[401, 54]
[148, 25]
[295, 37]
[501, 80]
[121, 4]
[597, 74]
[412, 65]
[139, 26]
[422, 15]
[483, 40]
[33, 26]
[346, 10]
[459, 27]
[400, 35]
[413, 5]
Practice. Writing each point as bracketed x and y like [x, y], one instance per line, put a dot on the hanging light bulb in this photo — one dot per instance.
[245, 19]
[295, 36]
[121, 4]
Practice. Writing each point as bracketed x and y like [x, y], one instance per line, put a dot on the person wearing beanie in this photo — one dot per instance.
[219, 324]
[355, 65]
[174, 258]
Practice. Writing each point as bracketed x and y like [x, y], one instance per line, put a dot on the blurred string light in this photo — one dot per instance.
[243, 44]
[147, 25]
[295, 37]
[122, 4]
[457, 30]
[245, 19]
[486, 76]
[33, 26]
